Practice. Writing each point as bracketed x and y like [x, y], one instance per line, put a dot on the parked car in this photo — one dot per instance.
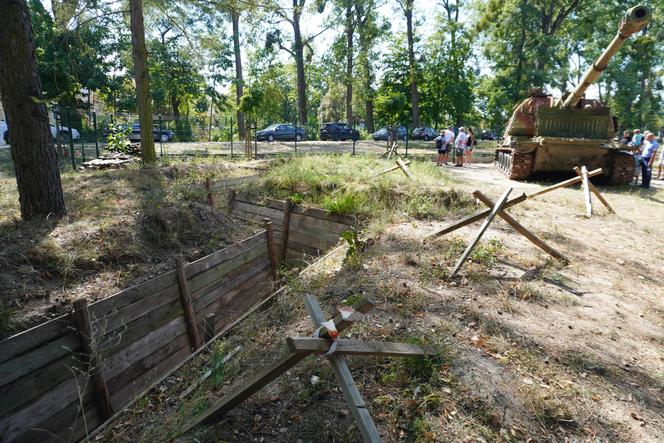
[280, 131]
[64, 132]
[384, 134]
[426, 133]
[163, 135]
[338, 131]
[488, 135]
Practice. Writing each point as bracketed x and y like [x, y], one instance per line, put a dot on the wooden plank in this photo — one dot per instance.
[230, 201]
[234, 181]
[208, 262]
[521, 229]
[185, 299]
[565, 183]
[318, 224]
[586, 192]
[311, 241]
[246, 387]
[208, 191]
[119, 361]
[258, 210]
[288, 207]
[84, 326]
[348, 220]
[301, 250]
[404, 168]
[314, 345]
[48, 404]
[345, 379]
[599, 196]
[32, 385]
[34, 337]
[496, 208]
[126, 297]
[138, 369]
[271, 252]
[25, 363]
[475, 217]
[327, 237]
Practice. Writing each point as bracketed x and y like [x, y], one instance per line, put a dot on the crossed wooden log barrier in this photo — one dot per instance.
[325, 341]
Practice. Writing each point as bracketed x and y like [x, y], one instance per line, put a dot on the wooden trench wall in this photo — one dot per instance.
[62, 379]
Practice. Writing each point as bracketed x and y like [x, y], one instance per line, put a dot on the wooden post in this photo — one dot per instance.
[285, 228]
[208, 190]
[313, 345]
[84, 326]
[521, 229]
[496, 208]
[595, 190]
[230, 201]
[185, 299]
[565, 183]
[393, 168]
[404, 168]
[355, 401]
[274, 265]
[209, 326]
[475, 217]
[586, 192]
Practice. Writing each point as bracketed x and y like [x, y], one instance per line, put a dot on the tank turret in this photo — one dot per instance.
[546, 136]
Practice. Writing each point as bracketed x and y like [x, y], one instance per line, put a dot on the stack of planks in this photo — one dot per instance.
[311, 231]
[139, 334]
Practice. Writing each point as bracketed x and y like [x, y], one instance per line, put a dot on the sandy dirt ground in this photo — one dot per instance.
[536, 350]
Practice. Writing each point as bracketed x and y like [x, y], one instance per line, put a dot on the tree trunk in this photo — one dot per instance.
[175, 109]
[368, 117]
[32, 150]
[143, 99]
[239, 80]
[349, 61]
[299, 63]
[411, 62]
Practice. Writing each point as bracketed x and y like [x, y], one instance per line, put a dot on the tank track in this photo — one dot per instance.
[517, 165]
[621, 168]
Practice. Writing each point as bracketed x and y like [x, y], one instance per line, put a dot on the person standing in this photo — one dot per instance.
[661, 165]
[647, 159]
[470, 144]
[460, 145]
[626, 138]
[636, 143]
[448, 139]
[440, 140]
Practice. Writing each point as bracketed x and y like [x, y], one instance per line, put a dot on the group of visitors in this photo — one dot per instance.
[645, 149]
[463, 143]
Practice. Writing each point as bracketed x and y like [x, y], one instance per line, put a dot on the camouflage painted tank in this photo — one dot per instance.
[548, 136]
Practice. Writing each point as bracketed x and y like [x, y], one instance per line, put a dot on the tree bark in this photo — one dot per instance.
[32, 150]
[364, 21]
[299, 63]
[143, 99]
[408, 9]
[239, 79]
[350, 28]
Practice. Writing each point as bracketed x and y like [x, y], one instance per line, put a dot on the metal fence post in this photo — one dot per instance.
[94, 125]
[407, 138]
[255, 140]
[353, 136]
[71, 139]
[82, 149]
[295, 124]
[231, 136]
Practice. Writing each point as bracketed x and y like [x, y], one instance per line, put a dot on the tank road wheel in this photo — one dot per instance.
[621, 167]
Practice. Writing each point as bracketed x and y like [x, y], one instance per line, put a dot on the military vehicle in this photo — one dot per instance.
[547, 136]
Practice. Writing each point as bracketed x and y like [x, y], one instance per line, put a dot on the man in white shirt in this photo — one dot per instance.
[460, 145]
[648, 159]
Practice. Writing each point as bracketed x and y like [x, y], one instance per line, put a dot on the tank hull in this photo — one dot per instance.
[526, 158]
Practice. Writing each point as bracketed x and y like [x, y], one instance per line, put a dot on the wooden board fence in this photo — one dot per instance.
[53, 376]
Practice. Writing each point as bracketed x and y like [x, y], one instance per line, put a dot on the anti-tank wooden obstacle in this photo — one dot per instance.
[583, 178]
[391, 168]
[391, 151]
[495, 209]
[400, 165]
[326, 340]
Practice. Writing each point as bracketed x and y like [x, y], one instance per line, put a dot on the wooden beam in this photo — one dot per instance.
[274, 265]
[353, 397]
[246, 387]
[285, 227]
[496, 208]
[208, 191]
[393, 168]
[312, 345]
[586, 192]
[565, 183]
[475, 217]
[185, 298]
[84, 327]
[230, 201]
[404, 168]
[518, 227]
[595, 191]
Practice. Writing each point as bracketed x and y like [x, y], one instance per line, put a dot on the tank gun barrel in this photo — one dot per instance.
[635, 19]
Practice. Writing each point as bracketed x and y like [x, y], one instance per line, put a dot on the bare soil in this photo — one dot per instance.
[531, 349]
